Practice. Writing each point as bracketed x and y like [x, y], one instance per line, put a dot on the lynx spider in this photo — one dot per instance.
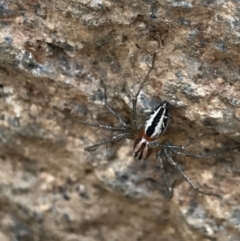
[146, 139]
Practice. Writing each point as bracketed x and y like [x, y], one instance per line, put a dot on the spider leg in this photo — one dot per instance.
[106, 127]
[108, 106]
[174, 164]
[110, 145]
[109, 140]
[193, 155]
[156, 144]
[170, 146]
[175, 149]
[192, 141]
[170, 190]
[93, 124]
[134, 100]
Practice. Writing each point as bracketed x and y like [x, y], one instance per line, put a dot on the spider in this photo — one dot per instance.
[146, 135]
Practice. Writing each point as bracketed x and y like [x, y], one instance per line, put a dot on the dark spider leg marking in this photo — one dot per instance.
[174, 164]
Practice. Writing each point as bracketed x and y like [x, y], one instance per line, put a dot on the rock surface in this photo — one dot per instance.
[53, 57]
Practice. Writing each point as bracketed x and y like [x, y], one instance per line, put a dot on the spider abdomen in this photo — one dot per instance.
[156, 124]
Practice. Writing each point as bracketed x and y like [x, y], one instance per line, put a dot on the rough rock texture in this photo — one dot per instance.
[53, 55]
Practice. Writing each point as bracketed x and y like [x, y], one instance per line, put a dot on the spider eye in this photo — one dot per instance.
[156, 124]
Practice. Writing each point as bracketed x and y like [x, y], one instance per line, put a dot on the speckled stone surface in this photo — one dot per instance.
[53, 57]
